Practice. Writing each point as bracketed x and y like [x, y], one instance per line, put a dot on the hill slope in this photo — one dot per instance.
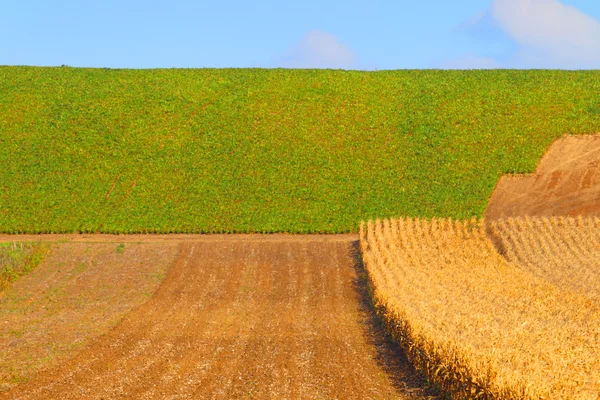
[204, 150]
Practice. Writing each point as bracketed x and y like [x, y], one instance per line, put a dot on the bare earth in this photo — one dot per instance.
[566, 182]
[256, 316]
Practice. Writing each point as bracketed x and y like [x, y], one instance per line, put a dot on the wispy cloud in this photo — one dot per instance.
[482, 26]
[319, 49]
[551, 32]
[534, 34]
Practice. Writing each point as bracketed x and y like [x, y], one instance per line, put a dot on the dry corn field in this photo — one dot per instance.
[563, 250]
[481, 326]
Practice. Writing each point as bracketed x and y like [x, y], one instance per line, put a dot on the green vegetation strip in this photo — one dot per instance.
[251, 150]
[18, 259]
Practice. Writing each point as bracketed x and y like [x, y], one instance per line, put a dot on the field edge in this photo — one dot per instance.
[432, 367]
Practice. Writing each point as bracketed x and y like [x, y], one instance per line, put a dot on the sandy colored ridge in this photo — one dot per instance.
[566, 182]
[261, 317]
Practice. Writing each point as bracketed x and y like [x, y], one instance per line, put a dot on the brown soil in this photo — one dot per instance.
[566, 182]
[262, 317]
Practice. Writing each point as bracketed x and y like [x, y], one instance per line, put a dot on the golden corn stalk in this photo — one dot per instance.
[480, 325]
[562, 250]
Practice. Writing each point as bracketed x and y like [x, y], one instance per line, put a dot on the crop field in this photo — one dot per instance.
[481, 326]
[562, 250]
[503, 309]
[251, 150]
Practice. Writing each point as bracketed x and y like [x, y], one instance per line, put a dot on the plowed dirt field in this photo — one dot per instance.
[566, 182]
[275, 318]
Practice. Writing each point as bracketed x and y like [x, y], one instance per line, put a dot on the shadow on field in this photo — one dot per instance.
[390, 355]
[495, 239]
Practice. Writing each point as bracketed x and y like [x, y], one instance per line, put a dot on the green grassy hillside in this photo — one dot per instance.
[255, 150]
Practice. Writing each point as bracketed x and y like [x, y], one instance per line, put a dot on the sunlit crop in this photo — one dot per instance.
[562, 250]
[258, 150]
[477, 324]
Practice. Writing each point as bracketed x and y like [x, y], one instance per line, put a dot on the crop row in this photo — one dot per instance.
[476, 324]
[562, 250]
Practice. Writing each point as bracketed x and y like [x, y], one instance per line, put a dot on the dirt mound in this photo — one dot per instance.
[566, 182]
[242, 319]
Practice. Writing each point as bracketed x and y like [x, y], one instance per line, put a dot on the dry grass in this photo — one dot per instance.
[18, 259]
[563, 250]
[79, 292]
[476, 324]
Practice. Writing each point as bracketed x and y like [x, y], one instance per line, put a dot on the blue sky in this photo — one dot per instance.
[347, 34]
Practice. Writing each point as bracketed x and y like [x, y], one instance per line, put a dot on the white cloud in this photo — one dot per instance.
[319, 49]
[471, 61]
[551, 34]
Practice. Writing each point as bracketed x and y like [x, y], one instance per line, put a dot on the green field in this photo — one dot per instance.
[256, 150]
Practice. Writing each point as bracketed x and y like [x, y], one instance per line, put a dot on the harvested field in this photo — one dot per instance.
[562, 250]
[566, 182]
[80, 291]
[477, 324]
[253, 318]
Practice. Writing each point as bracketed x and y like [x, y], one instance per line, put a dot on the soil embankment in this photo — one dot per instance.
[566, 182]
[252, 318]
